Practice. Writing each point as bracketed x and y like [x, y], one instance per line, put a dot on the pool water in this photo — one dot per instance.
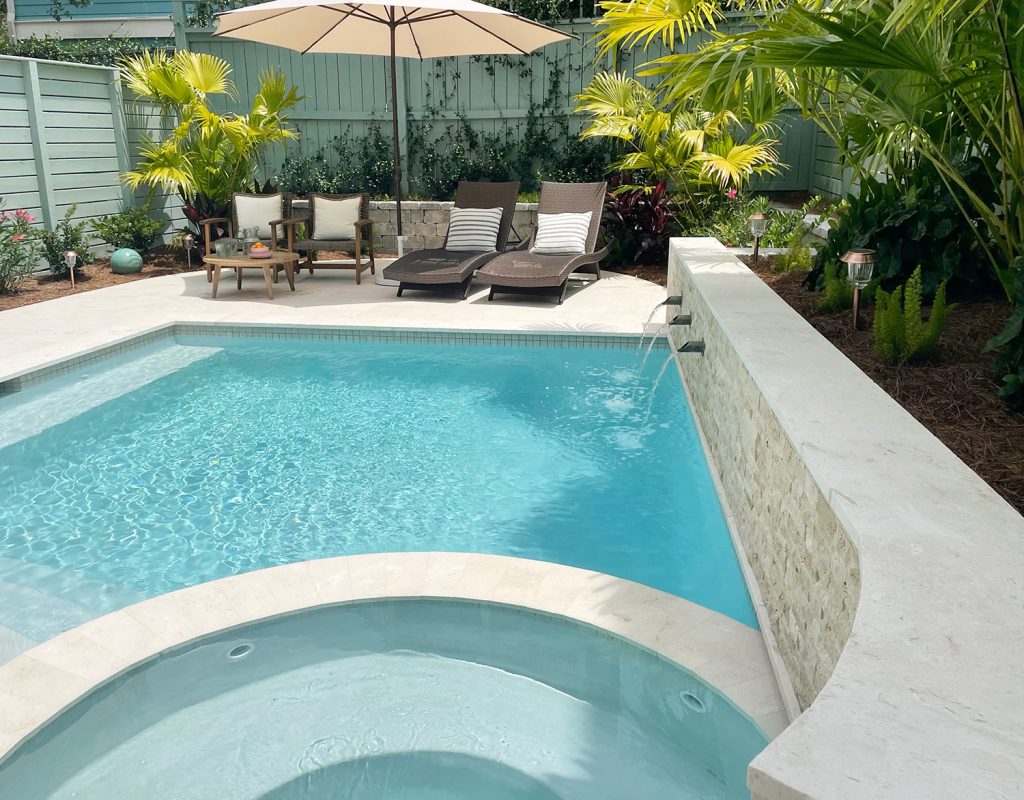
[405, 700]
[201, 458]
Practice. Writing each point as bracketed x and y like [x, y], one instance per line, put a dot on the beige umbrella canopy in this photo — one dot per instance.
[407, 28]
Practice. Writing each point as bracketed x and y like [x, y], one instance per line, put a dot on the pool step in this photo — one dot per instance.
[38, 602]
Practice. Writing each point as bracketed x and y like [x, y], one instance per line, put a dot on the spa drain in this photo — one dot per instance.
[693, 702]
[240, 651]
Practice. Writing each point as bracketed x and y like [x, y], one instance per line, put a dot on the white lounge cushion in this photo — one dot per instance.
[335, 219]
[473, 230]
[561, 234]
[257, 212]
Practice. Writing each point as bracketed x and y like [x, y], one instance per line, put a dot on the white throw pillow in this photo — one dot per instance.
[473, 230]
[561, 234]
[257, 212]
[335, 219]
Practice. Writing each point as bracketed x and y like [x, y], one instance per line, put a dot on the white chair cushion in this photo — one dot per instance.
[335, 219]
[473, 230]
[257, 212]
[561, 234]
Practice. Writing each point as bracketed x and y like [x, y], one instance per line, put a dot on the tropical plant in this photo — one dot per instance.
[638, 221]
[67, 235]
[132, 228]
[20, 248]
[894, 83]
[900, 333]
[694, 151]
[206, 157]
[797, 253]
[910, 221]
[836, 292]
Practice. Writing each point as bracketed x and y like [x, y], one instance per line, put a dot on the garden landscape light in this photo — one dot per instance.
[70, 259]
[758, 225]
[860, 269]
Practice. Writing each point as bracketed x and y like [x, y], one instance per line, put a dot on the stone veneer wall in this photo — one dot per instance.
[424, 223]
[804, 562]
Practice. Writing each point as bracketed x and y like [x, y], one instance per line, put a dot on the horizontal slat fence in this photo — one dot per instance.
[345, 94]
[65, 138]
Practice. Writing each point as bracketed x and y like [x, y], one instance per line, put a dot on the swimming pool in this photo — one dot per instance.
[407, 699]
[198, 458]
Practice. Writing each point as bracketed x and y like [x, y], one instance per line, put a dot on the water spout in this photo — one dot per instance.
[681, 319]
[674, 300]
[694, 346]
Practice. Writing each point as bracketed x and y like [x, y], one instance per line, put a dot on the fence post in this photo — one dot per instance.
[40, 150]
[403, 123]
[124, 163]
[180, 31]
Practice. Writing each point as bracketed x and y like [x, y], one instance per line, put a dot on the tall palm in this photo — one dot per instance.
[205, 157]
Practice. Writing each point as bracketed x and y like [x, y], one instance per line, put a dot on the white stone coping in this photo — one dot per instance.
[47, 333]
[38, 685]
[925, 701]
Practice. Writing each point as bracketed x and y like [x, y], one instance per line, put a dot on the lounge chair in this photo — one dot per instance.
[449, 270]
[268, 213]
[339, 228]
[522, 271]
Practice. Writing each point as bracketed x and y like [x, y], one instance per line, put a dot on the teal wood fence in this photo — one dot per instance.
[344, 93]
[65, 137]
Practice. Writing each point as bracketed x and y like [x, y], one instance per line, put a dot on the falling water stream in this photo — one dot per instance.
[647, 353]
[654, 388]
[643, 330]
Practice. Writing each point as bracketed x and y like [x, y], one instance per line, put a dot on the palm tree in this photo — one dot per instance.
[690, 149]
[205, 157]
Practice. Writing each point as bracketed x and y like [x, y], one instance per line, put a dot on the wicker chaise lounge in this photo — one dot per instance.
[522, 271]
[449, 270]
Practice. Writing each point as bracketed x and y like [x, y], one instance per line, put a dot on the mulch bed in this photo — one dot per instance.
[954, 396]
[160, 261]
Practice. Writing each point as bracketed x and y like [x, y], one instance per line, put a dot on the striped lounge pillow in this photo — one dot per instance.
[473, 230]
[561, 234]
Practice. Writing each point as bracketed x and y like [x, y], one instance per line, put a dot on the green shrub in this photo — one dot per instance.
[132, 228]
[910, 222]
[1008, 347]
[66, 236]
[837, 291]
[797, 255]
[901, 334]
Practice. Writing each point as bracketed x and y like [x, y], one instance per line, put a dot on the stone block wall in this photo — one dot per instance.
[805, 563]
[424, 223]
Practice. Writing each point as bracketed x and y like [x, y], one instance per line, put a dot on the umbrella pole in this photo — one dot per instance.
[394, 132]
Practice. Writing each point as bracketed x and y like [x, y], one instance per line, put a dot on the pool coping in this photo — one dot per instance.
[38, 685]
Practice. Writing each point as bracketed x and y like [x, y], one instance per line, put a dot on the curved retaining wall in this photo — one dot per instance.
[892, 573]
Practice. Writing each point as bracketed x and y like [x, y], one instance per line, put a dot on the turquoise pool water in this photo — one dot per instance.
[200, 458]
[405, 700]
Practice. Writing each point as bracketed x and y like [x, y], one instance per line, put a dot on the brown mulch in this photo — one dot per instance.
[160, 261]
[654, 274]
[954, 396]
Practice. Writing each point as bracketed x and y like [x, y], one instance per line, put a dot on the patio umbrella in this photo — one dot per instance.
[394, 28]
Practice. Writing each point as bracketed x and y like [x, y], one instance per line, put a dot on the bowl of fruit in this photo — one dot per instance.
[259, 250]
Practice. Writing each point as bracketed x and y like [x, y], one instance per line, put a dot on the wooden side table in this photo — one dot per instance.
[278, 258]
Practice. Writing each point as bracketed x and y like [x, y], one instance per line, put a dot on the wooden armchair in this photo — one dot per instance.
[337, 222]
[269, 213]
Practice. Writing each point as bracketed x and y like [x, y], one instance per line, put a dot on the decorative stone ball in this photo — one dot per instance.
[125, 261]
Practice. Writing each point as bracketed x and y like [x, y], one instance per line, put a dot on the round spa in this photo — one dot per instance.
[417, 699]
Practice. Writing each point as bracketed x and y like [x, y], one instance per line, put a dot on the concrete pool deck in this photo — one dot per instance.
[44, 333]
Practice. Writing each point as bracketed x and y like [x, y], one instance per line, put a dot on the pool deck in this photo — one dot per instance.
[41, 334]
